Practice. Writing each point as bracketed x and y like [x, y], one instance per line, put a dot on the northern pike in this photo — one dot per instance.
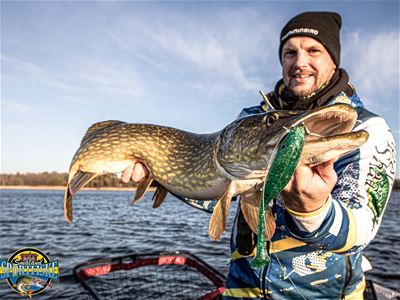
[24, 285]
[220, 165]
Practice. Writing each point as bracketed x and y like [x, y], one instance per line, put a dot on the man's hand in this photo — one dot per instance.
[136, 173]
[309, 188]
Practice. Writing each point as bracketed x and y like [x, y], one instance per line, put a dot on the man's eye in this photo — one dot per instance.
[314, 51]
[289, 53]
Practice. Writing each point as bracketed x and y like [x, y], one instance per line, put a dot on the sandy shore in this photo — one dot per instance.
[62, 188]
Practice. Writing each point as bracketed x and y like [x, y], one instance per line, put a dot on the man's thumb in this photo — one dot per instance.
[326, 171]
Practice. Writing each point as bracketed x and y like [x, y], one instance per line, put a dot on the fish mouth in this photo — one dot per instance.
[329, 133]
[328, 120]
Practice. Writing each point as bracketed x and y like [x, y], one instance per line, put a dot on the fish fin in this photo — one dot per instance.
[79, 180]
[249, 204]
[218, 218]
[142, 188]
[159, 196]
[96, 127]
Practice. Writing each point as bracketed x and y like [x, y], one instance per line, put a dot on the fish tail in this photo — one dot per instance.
[78, 181]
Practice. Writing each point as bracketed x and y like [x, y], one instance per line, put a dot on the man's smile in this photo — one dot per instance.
[300, 78]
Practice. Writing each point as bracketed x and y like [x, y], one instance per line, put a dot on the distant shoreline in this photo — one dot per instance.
[62, 188]
[396, 186]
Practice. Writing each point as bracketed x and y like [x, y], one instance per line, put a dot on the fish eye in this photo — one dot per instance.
[271, 119]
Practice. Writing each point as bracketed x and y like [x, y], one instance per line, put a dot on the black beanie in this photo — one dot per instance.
[322, 26]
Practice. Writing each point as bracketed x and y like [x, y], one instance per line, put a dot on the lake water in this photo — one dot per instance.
[105, 224]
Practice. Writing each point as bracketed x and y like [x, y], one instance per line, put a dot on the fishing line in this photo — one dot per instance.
[286, 276]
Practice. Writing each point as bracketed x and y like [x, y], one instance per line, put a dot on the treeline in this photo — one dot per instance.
[57, 179]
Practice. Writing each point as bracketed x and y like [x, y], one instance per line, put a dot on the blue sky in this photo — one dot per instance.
[191, 65]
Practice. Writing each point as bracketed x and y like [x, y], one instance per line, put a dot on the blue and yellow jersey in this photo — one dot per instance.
[318, 255]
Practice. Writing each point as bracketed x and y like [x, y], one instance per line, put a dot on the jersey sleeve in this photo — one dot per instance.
[351, 216]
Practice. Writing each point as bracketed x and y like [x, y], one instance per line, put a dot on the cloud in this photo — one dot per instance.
[373, 60]
[23, 66]
[80, 81]
[210, 52]
[111, 78]
[21, 70]
[17, 107]
[176, 43]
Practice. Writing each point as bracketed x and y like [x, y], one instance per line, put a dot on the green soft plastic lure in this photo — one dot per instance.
[282, 168]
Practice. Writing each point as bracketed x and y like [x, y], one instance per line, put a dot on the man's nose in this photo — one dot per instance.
[301, 60]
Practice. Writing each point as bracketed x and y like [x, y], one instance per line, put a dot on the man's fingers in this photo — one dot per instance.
[326, 168]
[300, 174]
[127, 174]
[139, 172]
[135, 173]
[326, 171]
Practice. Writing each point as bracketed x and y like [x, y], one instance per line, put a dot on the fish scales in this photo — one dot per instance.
[157, 147]
[219, 165]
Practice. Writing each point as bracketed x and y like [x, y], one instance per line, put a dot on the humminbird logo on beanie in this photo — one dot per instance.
[300, 30]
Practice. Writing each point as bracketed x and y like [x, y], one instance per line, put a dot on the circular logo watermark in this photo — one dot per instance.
[29, 271]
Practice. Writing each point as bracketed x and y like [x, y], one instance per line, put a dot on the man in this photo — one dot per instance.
[328, 213]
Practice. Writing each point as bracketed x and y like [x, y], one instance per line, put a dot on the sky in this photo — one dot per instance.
[192, 65]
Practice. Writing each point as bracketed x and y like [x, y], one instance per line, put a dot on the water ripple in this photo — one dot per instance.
[106, 224]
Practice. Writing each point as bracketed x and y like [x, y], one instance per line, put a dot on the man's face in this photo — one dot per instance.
[306, 65]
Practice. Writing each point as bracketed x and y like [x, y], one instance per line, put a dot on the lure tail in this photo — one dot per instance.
[262, 258]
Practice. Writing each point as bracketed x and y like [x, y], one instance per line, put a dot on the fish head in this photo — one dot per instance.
[246, 146]
[38, 282]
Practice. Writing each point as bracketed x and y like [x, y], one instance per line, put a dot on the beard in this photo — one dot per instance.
[284, 98]
[306, 93]
[320, 80]
[303, 99]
